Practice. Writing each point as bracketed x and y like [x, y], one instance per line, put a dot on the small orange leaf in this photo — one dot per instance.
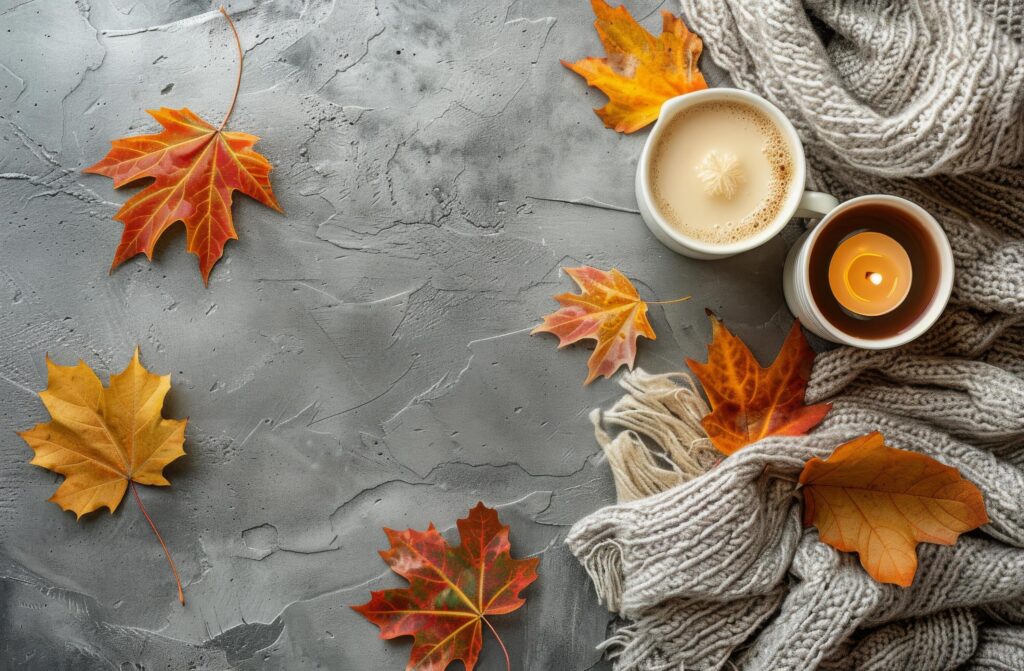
[749, 402]
[880, 502]
[640, 71]
[195, 168]
[608, 310]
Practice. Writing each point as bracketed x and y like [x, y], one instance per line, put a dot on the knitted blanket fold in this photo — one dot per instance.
[709, 565]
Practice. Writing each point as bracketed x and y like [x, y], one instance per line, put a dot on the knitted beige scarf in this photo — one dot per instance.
[707, 564]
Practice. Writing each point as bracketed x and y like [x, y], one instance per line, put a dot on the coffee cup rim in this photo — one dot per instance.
[939, 300]
[673, 106]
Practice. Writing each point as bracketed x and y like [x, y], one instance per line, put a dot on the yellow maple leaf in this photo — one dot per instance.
[641, 71]
[103, 439]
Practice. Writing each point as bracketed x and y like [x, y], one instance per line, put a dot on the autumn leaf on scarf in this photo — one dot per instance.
[195, 168]
[749, 402]
[103, 440]
[640, 71]
[452, 590]
[880, 502]
[608, 310]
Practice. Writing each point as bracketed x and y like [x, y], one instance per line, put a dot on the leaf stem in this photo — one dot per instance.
[676, 300]
[174, 569]
[508, 662]
[238, 80]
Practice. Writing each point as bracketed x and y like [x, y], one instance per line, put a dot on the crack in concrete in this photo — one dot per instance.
[366, 52]
[187, 22]
[441, 388]
[651, 13]
[390, 388]
[84, 10]
[429, 477]
[16, 6]
[57, 173]
[17, 385]
[22, 85]
[587, 201]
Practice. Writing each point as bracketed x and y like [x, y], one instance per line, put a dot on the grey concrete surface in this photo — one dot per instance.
[362, 361]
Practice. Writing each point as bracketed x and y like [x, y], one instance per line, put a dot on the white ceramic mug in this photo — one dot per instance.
[796, 277]
[798, 203]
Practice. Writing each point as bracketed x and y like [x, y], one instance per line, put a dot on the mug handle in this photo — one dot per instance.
[815, 205]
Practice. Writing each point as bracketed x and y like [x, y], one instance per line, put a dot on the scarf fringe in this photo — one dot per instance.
[662, 443]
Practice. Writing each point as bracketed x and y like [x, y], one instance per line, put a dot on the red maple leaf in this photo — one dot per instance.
[452, 590]
[749, 402]
[195, 168]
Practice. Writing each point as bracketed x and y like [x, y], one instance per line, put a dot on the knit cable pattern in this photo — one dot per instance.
[710, 568]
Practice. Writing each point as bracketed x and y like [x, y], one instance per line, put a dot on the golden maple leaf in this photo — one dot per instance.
[100, 438]
[105, 439]
[640, 71]
[749, 402]
[880, 502]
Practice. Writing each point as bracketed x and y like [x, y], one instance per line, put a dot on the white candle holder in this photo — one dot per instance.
[797, 277]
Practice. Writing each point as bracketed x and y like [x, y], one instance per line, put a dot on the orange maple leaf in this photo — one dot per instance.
[640, 71]
[105, 439]
[749, 402]
[880, 502]
[609, 310]
[452, 590]
[195, 170]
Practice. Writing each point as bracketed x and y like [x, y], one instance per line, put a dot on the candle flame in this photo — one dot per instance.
[875, 278]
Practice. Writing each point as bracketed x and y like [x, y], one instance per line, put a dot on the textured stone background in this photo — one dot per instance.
[363, 360]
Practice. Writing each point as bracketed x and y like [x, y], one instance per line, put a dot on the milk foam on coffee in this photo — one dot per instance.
[721, 171]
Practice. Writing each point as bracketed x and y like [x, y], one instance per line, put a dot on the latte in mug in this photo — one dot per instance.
[721, 172]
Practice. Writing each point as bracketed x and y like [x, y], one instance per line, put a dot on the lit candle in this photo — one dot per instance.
[870, 274]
